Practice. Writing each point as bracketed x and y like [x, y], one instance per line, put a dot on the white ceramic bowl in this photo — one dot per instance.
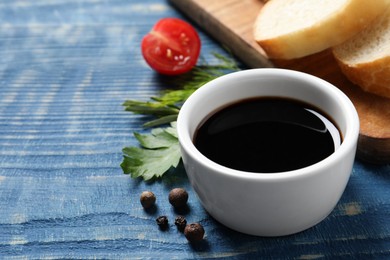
[266, 204]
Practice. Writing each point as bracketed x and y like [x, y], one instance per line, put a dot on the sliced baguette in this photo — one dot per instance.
[365, 58]
[288, 29]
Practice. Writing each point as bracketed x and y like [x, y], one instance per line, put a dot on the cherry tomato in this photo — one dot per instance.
[172, 47]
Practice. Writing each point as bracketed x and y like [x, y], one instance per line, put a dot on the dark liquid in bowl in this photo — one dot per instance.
[265, 135]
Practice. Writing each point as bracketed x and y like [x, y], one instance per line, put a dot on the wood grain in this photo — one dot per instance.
[231, 22]
[65, 69]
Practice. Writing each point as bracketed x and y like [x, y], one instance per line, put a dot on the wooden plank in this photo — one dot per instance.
[231, 23]
[65, 70]
[225, 22]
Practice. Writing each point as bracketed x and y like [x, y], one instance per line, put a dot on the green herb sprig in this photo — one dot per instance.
[159, 150]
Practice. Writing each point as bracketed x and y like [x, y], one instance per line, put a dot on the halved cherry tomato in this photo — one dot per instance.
[172, 47]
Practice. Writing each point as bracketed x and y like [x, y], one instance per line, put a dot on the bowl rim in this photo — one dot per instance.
[347, 146]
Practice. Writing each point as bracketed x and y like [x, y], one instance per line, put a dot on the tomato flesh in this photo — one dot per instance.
[172, 47]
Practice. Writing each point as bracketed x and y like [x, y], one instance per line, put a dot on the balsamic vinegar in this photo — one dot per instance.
[266, 135]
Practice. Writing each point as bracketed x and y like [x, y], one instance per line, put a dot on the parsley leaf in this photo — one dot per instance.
[159, 152]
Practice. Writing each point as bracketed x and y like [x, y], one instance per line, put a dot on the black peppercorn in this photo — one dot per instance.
[147, 199]
[194, 232]
[180, 223]
[178, 197]
[162, 222]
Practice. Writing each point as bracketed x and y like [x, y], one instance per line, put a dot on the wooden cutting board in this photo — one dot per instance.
[230, 22]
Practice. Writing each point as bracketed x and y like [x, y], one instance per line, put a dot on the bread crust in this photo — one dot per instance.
[372, 77]
[326, 33]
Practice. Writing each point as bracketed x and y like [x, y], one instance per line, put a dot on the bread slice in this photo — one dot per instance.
[365, 58]
[288, 29]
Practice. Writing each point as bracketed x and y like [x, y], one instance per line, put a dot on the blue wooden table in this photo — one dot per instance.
[66, 67]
